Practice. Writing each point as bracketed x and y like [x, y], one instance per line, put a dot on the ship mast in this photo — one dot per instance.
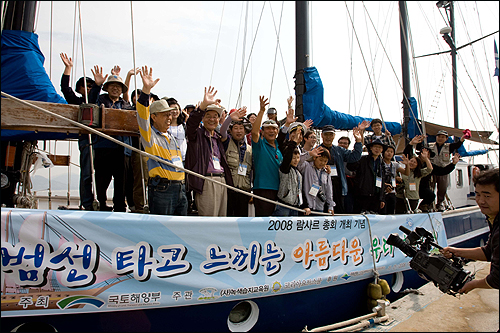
[302, 54]
[20, 15]
[405, 66]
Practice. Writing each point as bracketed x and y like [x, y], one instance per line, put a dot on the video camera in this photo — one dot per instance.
[447, 274]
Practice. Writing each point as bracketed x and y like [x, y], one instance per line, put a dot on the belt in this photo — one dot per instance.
[214, 175]
[163, 181]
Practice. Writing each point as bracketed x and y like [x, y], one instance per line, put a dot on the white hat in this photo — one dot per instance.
[160, 106]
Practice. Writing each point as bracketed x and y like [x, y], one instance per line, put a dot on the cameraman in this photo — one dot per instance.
[486, 183]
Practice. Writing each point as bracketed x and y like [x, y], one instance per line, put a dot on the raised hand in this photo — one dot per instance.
[66, 60]
[316, 151]
[289, 117]
[405, 159]
[417, 139]
[296, 136]
[388, 133]
[116, 70]
[358, 133]
[147, 79]
[455, 158]
[68, 63]
[308, 123]
[263, 103]
[424, 154]
[289, 100]
[238, 114]
[132, 71]
[364, 125]
[209, 98]
[99, 78]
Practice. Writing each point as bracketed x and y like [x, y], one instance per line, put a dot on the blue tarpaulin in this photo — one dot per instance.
[24, 77]
[316, 109]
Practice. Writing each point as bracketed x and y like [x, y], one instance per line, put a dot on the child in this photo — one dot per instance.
[391, 170]
[419, 167]
[290, 191]
[317, 186]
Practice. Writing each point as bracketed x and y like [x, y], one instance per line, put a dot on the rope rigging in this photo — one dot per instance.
[216, 44]
[250, 55]
[235, 53]
[366, 67]
[277, 46]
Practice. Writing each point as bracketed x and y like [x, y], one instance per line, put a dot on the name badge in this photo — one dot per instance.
[314, 190]
[242, 169]
[300, 199]
[413, 186]
[393, 182]
[378, 182]
[176, 160]
[334, 171]
[216, 162]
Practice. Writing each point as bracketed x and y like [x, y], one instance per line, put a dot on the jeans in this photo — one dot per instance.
[284, 211]
[86, 195]
[167, 199]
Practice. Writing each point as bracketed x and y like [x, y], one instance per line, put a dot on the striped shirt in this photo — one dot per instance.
[162, 145]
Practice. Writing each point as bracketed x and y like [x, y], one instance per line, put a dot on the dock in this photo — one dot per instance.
[430, 310]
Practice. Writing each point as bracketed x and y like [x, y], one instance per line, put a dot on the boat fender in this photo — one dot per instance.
[385, 286]
[374, 291]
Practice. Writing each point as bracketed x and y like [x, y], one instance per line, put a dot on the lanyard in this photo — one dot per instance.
[319, 176]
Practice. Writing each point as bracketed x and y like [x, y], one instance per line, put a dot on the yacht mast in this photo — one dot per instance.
[302, 53]
[405, 66]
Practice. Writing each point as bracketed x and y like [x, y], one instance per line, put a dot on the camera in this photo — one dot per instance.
[447, 274]
[321, 196]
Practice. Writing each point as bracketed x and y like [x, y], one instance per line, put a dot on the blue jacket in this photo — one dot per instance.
[339, 155]
[100, 142]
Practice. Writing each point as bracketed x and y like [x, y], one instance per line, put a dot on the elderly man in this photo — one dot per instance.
[110, 159]
[442, 151]
[239, 159]
[166, 188]
[487, 196]
[267, 160]
[205, 155]
[338, 156]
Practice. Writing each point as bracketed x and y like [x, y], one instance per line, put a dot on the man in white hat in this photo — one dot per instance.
[166, 185]
[267, 159]
[206, 155]
[110, 159]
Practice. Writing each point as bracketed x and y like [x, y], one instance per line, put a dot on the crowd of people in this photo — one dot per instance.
[280, 161]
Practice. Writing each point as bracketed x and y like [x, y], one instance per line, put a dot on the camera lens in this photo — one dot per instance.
[396, 241]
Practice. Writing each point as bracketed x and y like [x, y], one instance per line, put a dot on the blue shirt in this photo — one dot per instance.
[339, 155]
[266, 160]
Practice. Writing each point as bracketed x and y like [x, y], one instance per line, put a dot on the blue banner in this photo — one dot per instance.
[56, 262]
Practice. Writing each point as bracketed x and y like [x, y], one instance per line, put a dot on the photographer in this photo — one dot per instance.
[487, 195]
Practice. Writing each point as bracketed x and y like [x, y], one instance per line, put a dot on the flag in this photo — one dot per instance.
[496, 58]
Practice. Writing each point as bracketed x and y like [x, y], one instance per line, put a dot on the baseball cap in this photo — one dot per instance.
[328, 129]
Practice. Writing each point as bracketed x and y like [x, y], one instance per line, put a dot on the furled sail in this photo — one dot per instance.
[316, 109]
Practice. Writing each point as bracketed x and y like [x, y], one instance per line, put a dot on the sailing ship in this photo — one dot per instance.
[286, 300]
